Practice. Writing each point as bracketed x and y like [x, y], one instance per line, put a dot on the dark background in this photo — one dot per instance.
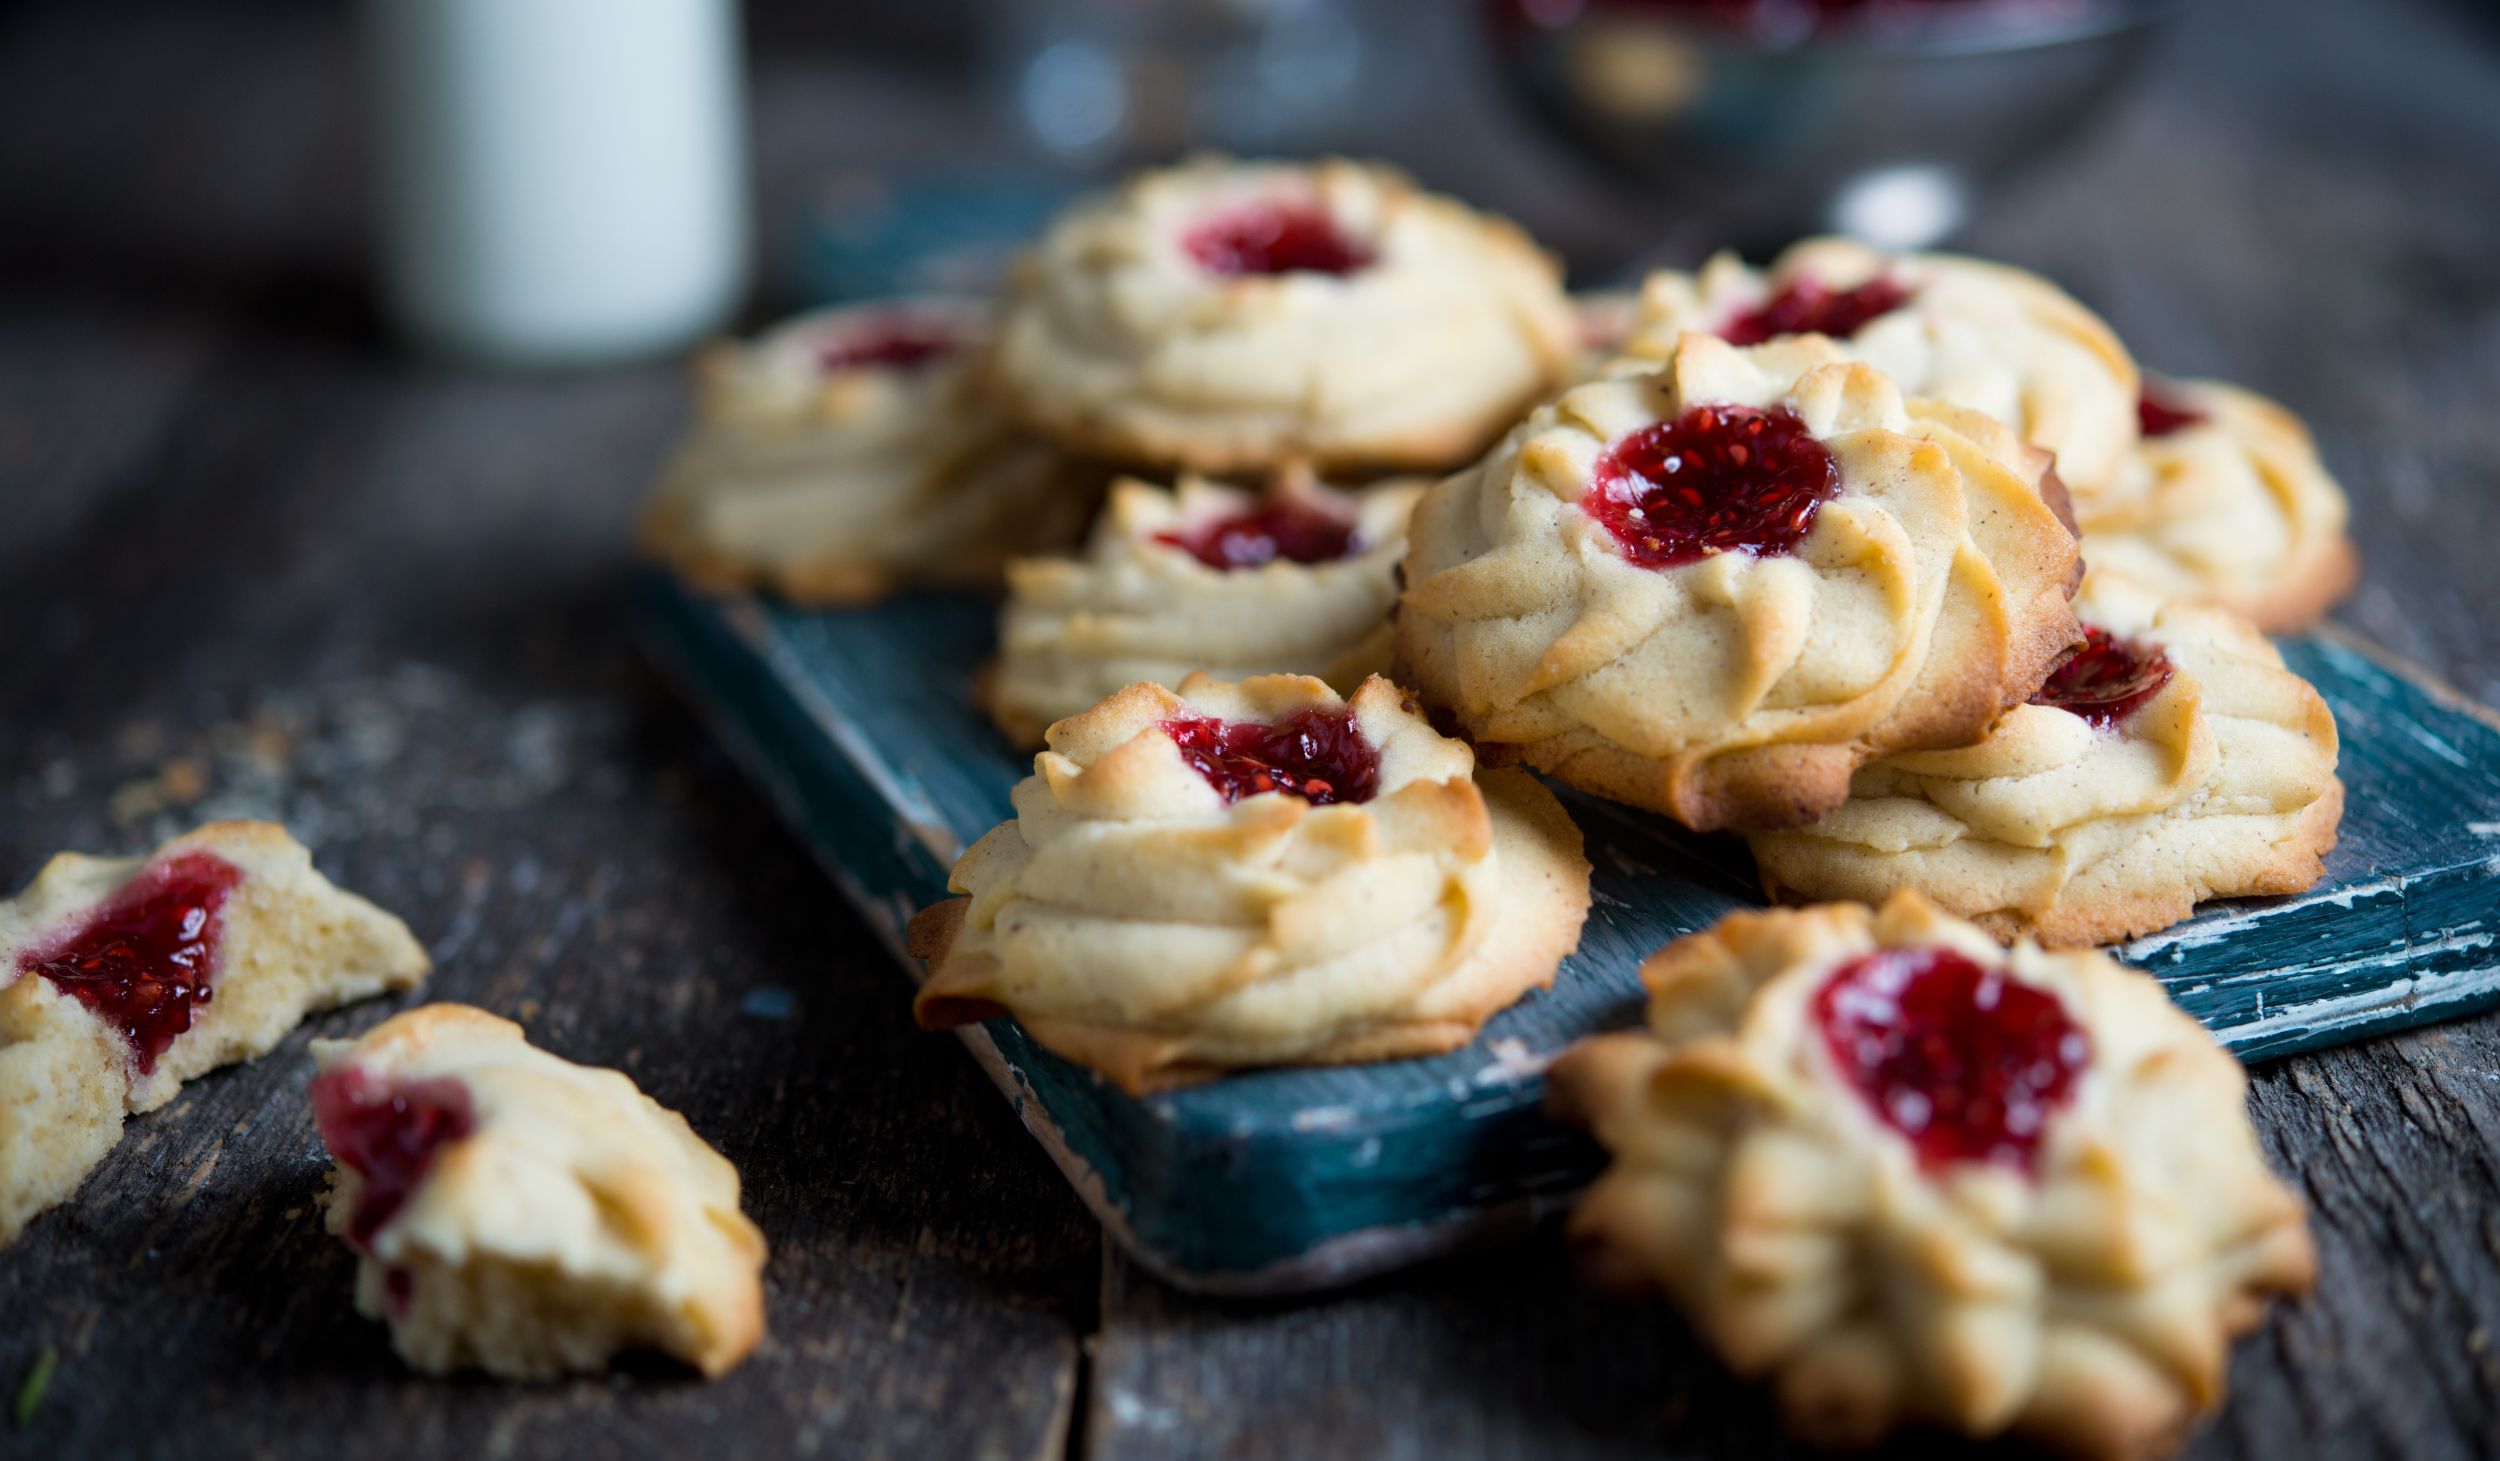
[254, 562]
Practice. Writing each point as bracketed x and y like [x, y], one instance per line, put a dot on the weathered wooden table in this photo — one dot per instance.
[252, 562]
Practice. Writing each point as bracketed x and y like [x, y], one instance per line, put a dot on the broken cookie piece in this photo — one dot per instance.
[121, 978]
[522, 1215]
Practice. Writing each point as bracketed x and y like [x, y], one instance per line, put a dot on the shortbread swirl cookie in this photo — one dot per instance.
[1717, 590]
[123, 977]
[2225, 502]
[1912, 1178]
[1297, 580]
[1984, 336]
[1230, 317]
[845, 454]
[1255, 874]
[519, 1214]
[2172, 760]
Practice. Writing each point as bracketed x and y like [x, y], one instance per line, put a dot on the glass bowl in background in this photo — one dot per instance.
[1106, 84]
[1775, 118]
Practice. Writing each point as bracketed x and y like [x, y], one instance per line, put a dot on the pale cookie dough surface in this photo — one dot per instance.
[64, 1091]
[1117, 340]
[2233, 509]
[2086, 1304]
[283, 943]
[1134, 608]
[2222, 785]
[1985, 336]
[833, 483]
[574, 1218]
[1740, 689]
[1133, 921]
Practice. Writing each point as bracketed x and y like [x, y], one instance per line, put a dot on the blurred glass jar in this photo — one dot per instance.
[563, 182]
[1105, 82]
[1772, 118]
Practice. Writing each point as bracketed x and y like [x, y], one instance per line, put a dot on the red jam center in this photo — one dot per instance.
[1291, 531]
[899, 342]
[2107, 680]
[147, 959]
[1965, 1063]
[1274, 238]
[1717, 479]
[1317, 755]
[2159, 413]
[1806, 307]
[388, 1133]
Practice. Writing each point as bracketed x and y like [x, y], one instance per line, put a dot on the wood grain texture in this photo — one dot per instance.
[383, 603]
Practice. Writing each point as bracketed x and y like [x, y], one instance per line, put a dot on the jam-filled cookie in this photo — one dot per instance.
[1911, 1177]
[516, 1213]
[1296, 580]
[123, 977]
[2172, 760]
[845, 454]
[2225, 502]
[1253, 874]
[1980, 335]
[1230, 317]
[1717, 590]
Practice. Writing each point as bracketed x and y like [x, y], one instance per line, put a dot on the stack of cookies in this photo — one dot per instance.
[1389, 521]
[1793, 552]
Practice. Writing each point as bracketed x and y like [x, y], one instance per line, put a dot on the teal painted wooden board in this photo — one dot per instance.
[860, 726]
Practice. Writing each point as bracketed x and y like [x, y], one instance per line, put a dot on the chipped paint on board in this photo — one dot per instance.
[2427, 994]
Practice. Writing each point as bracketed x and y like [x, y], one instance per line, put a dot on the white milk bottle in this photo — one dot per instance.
[563, 181]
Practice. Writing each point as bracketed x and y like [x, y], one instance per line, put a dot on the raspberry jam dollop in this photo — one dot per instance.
[896, 342]
[1717, 479]
[1274, 238]
[2107, 680]
[2159, 413]
[388, 1133]
[146, 960]
[1805, 307]
[1319, 755]
[1967, 1064]
[1293, 531]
